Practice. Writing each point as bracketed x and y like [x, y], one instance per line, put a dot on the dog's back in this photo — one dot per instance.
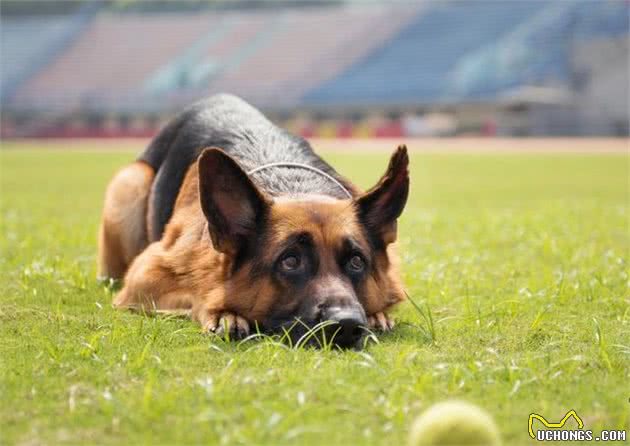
[229, 123]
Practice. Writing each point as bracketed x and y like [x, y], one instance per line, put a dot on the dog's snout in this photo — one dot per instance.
[346, 329]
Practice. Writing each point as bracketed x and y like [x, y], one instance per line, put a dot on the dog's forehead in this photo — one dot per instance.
[320, 216]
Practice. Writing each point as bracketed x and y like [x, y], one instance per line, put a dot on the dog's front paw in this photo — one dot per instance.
[226, 324]
[380, 321]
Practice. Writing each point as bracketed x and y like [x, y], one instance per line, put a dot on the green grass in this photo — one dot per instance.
[518, 265]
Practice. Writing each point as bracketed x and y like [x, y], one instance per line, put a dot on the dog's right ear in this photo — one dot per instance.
[232, 204]
[380, 207]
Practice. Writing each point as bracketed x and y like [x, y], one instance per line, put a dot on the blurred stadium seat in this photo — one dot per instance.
[339, 62]
[24, 42]
[29, 44]
[416, 64]
[112, 58]
[308, 48]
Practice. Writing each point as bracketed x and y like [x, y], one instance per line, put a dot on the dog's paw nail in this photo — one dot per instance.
[210, 325]
[242, 328]
[380, 321]
[228, 325]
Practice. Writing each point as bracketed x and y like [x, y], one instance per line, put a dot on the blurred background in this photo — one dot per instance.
[339, 69]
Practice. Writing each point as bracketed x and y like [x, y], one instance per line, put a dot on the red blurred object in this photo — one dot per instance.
[389, 129]
[345, 129]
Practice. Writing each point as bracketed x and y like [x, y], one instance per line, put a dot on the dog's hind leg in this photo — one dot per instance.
[123, 231]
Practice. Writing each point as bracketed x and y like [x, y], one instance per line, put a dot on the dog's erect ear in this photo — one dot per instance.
[380, 206]
[230, 201]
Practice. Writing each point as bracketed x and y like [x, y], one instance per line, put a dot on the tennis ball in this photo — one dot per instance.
[454, 423]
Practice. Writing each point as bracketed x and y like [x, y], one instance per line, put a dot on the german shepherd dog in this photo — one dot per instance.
[240, 224]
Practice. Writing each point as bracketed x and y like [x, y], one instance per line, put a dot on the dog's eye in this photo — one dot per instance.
[291, 263]
[356, 264]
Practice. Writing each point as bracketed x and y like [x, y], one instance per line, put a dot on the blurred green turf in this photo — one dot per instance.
[517, 262]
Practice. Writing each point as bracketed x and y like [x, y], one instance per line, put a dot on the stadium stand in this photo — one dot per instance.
[224, 45]
[307, 49]
[360, 68]
[517, 59]
[23, 42]
[112, 59]
[489, 47]
[416, 64]
[264, 55]
[28, 45]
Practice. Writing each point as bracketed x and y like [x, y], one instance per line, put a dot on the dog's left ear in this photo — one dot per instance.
[232, 204]
[380, 207]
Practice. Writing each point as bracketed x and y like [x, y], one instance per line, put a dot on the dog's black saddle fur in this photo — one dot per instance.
[231, 124]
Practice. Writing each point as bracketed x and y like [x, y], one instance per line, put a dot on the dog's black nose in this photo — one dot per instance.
[347, 327]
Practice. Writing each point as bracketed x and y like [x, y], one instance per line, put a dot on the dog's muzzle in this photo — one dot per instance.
[347, 327]
[343, 327]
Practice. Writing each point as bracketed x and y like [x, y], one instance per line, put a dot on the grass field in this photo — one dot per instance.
[518, 264]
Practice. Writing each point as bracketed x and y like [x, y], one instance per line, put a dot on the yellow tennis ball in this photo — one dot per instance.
[454, 423]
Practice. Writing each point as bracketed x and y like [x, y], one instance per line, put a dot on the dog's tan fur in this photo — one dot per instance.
[123, 230]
